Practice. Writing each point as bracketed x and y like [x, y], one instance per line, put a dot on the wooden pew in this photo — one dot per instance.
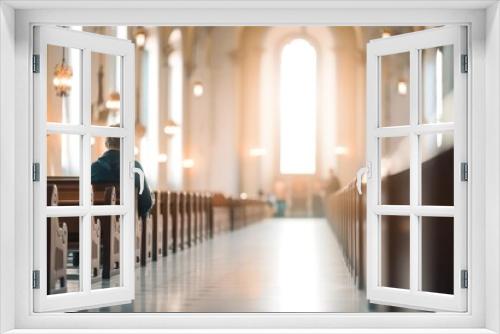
[57, 248]
[221, 213]
[202, 208]
[108, 194]
[138, 234]
[247, 211]
[176, 223]
[197, 217]
[183, 220]
[168, 239]
[209, 213]
[346, 213]
[95, 234]
[69, 195]
[190, 219]
[147, 240]
[158, 226]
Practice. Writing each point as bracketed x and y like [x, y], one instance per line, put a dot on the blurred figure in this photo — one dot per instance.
[261, 194]
[333, 183]
[280, 192]
[106, 169]
[317, 199]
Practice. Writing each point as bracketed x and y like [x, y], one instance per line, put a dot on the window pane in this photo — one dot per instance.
[63, 166]
[106, 170]
[106, 89]
[437, 168]
[395, 170]
[298, 108]
[395, 89]
[437, 85]
[395, 251]
[105, 252]
[64, 85]
[437, 254]
[63, 253]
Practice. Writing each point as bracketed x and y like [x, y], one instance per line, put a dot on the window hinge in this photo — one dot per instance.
[465, 64]
[36, 63]
[465, 279]
[36, 279]
[36, 172]
[464, 171]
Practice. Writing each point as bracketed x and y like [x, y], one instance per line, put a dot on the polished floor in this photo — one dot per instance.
[278, 265]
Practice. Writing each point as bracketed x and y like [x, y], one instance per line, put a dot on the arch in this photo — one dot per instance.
[275, 38]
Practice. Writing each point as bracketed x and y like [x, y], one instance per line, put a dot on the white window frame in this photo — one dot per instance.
[86, 297]
[412, 44]
[483, 17]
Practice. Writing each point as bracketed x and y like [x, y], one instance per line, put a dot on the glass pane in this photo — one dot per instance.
[395, 251]
[63, 166]
[64, 85]
[395, 89]
[63, 250]
[106, 89]
[437, 168]
[105, 252]
[437, 254]
[106, 170]
[437, 85]
[395, 170]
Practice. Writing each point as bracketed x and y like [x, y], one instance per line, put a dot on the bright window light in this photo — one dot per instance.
[188, 163]
[439, 85]
[71, 144]
[298, 108]
[257, 152]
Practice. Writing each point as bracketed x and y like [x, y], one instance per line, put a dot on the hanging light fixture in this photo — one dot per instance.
[162, 157]
[402, 87]
[171, 128]
[386, 33]
[341, 150]
[257, 151]
[63, 74]
[140, 37]
[198, 89]
[113, 101]
[187, 163]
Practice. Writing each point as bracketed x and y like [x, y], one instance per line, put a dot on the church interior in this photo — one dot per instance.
[250, 139]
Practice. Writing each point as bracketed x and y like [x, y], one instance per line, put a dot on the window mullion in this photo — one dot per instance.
[414, 172]
[85, 182]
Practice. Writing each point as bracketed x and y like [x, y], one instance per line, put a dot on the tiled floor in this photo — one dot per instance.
[279, 265]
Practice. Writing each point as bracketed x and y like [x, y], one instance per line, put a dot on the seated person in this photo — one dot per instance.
[333, 184]
[107, 170]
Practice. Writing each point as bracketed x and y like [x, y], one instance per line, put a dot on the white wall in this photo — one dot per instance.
[213, 119]
[492, 186]
[7, 168]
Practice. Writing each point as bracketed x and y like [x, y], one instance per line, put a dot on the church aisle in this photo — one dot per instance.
[279, 265]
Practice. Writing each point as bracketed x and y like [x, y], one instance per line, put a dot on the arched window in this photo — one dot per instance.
[175, 107]
[298, 95]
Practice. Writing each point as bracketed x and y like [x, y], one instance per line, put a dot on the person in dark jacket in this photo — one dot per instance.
[333, 183]
[106, 169]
